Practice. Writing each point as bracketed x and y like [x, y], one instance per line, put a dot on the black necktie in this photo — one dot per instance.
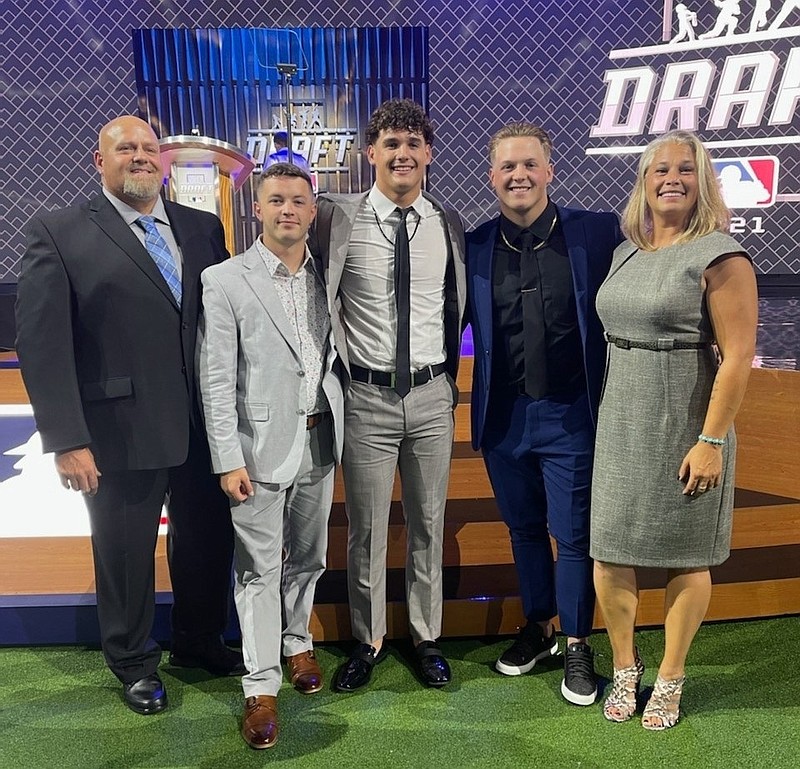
[533, 320]
[402, 293]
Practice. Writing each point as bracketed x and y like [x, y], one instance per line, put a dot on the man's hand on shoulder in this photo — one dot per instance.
[236, 484]
[78, 471]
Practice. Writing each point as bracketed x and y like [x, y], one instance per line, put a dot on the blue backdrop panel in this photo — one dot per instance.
[225, 83]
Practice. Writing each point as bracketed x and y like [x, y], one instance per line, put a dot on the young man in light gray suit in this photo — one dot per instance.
[394, 268]
[268, 372]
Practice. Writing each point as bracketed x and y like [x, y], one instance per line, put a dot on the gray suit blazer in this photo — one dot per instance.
[250, 373]
[329, 240]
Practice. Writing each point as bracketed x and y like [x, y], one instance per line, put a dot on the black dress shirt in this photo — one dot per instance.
[557, 367]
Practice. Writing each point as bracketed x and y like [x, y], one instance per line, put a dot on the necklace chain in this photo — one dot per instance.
[385, 236]
[538, 245]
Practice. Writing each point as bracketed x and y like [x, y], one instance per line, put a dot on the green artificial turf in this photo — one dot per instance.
[60, 707]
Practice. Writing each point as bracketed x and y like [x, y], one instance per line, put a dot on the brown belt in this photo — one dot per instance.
[314, 419]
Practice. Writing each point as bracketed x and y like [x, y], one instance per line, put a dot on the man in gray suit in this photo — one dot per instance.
[273, 404]
[394, 269]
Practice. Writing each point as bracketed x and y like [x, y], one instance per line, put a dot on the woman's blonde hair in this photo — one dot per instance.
[710, 212]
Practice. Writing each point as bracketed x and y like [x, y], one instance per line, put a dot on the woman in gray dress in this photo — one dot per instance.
[679, 308]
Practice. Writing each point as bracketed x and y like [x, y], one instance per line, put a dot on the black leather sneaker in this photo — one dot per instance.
[580, 683]
[529, 647]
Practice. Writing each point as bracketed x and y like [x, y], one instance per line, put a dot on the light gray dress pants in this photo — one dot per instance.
[281, 544]
[415, 435]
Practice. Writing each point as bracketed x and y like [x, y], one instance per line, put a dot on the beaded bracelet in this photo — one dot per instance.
[712, 441]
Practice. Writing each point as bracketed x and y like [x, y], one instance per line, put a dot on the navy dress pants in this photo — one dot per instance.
[538, 454]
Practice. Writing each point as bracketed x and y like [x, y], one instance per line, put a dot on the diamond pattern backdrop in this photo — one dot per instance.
[68, 68]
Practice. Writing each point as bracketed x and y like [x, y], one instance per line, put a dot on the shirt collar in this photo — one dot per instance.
[384, 208]
[541, 228]
[130, 215]
[276, 266]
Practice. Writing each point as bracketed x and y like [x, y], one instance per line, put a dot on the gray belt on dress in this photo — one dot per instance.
[660, 345]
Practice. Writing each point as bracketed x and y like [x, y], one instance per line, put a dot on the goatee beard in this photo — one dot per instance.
[142, 187]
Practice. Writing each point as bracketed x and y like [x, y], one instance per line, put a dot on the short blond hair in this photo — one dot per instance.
[709, 215]
[513, 130]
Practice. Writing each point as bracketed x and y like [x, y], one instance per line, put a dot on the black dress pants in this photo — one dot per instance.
[124, 517]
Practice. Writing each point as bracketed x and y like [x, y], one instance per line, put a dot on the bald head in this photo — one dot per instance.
[129, 162]
[117, 127]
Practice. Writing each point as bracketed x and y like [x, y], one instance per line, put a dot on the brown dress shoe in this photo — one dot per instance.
[260, 722]
[304, 672]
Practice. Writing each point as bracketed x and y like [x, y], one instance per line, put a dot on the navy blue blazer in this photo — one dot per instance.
[591, 239]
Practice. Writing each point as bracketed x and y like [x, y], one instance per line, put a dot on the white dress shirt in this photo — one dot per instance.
[369, 310]
[159, 213]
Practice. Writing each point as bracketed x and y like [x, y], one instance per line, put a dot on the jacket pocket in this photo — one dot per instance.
[118, 387]
[255, 412]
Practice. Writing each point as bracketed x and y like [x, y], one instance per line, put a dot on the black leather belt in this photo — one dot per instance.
[659, 345]
[314, 419]
[387, 378]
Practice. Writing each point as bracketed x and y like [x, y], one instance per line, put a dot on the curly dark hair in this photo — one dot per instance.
[399, 115]
[284, 169]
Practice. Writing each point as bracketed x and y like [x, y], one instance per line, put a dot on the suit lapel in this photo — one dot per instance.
[343, 217]
[192, 243]
[256, 274]
[108, 220]
[455, 284]
[575, 238]
[482, 260]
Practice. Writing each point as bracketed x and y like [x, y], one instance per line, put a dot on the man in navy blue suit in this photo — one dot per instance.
[533, 274]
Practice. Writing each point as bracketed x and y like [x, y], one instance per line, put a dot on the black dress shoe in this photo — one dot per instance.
[431, 664]
[211, 655]
[145, 696]
[357, 671]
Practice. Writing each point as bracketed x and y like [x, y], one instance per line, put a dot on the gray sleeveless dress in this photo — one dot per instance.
[652, 410]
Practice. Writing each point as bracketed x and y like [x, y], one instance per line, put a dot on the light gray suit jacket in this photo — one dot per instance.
[250, 374]
[329, 240]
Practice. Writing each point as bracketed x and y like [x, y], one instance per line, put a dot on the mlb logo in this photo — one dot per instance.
[748, 182]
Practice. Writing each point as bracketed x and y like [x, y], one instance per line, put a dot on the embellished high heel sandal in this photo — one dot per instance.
[620, 705]
[664, 707]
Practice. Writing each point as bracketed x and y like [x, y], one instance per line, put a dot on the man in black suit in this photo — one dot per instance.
[107, 308]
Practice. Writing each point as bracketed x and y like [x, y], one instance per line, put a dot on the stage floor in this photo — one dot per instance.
[45, 553]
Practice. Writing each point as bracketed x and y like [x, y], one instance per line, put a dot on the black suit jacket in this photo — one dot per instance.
[106, 354]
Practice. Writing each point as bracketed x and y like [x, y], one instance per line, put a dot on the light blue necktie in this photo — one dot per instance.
[159, 251]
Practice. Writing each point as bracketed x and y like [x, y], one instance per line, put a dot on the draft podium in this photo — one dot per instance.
[205, 173]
